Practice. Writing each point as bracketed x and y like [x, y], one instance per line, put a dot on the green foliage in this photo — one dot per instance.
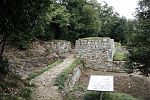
[113, 25]
[117, 45]
[26, 93]
[119, 56]
[140, 46]
[61, 79]
[57, 20]
[84, 20]
[14, 88]
[19, 20]
[108, 96]
[42, 70]
[131, 31]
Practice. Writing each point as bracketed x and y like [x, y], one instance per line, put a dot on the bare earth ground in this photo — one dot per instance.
[135, 85]
[44, 89]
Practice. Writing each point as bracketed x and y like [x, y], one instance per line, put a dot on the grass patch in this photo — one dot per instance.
[108, 96]
[42, 70]
[26, 93]
[61, 79]
[117, 45]
[119, 56]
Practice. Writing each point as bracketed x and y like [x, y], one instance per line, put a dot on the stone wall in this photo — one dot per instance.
[24, 62]
[38, 55]
[73, 78]
[96, 52]
[60, 46]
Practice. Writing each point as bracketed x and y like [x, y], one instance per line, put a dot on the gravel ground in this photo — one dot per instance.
[44, 83]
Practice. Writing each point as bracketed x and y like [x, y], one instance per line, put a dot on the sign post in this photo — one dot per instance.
[100, 95]
[101, 84]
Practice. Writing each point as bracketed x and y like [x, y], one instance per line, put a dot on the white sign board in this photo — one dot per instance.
[101, 83]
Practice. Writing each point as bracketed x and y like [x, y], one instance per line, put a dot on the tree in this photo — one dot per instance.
[84, 20]
[57, 20]
[19, 20]
[131, 30]
[119, 29]
[139, 55]
[113, 25]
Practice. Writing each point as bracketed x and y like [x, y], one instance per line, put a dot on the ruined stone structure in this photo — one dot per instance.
[60, 46]
[96, 52]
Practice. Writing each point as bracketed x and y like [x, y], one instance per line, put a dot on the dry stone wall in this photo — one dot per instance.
[60, 46]
[96, 52]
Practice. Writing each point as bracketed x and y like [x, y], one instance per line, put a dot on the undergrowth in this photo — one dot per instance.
[12, 87]
[61, 79]
[119, 56]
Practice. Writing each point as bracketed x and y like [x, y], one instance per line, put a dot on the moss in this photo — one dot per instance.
[108, 96]
[119, 56]
[42, 70]
[61, 79]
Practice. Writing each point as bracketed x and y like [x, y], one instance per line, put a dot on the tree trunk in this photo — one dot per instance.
[3, 42]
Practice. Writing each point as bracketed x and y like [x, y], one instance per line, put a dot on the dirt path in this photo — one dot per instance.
[44, 83]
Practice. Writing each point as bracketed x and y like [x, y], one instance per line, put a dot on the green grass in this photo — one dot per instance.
[117, 45]
[108, 96]
[26, 93]
[42, 70]
[119, 56]
[61, 79]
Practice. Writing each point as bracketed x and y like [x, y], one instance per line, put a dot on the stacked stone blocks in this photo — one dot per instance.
[95, 52]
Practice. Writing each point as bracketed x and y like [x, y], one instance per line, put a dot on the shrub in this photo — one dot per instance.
[117, 45]
[119, 56]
